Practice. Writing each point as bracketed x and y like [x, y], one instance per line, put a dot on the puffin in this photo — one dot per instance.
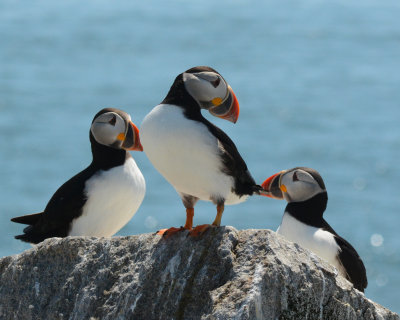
[101, 199]
[197, 158]
[303, 222]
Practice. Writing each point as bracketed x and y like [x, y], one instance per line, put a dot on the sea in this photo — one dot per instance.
[318, 83]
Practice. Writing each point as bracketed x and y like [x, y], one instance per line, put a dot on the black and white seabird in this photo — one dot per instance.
[302, 222]
[198, 159]
[101, 199]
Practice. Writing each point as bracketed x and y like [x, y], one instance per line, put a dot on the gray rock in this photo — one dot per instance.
[225, 274]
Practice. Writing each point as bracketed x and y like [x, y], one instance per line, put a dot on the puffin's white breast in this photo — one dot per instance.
[113, 197]
[186, 154]
[317, 240]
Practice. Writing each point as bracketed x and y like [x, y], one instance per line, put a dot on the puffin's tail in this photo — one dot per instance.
[260, 191]
[29, 232]
[30, 236]
[30, 219]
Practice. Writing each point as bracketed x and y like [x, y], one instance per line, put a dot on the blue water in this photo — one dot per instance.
[318, 85]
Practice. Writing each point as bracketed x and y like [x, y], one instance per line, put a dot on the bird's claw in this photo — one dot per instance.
[166, 233]
[200, 229]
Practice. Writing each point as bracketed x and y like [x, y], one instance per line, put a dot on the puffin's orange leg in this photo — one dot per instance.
[199, 230]
[188, 225]
[220, 211]
[189, 219]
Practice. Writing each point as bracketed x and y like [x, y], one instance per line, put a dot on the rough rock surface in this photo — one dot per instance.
[225, 274]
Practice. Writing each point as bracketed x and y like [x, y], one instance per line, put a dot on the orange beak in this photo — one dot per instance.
[271, 185]
[229, 109]
[132, 140]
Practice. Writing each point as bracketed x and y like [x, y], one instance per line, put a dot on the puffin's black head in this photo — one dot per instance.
[113, 128]
[209, 90]
[294, 185]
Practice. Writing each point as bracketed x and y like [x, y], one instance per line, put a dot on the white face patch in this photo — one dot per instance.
[205, 86]
[107, 127]
[300, 186]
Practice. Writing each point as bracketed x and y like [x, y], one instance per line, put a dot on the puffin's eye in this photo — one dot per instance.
[216, 82]
[113, 120]
[295, 177]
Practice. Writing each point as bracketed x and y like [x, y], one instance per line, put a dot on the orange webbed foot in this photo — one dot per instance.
[166, 233]
[200, 229]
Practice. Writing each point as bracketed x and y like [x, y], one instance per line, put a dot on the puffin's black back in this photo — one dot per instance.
[233, 162]
[65, 205]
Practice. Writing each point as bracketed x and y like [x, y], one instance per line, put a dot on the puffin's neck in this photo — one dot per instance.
[309, 211]
[179, 96]
[105, 157]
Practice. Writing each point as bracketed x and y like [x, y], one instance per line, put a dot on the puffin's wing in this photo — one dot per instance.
[353, 264]
[65, 205]
[325, 225]
[233, 163]
[350, 260]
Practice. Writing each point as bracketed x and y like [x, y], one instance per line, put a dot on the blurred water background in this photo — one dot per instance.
[317, 81]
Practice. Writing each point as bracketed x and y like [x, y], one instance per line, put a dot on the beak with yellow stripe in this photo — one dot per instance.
[273, 186]
[130, 140]
[227, 108]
